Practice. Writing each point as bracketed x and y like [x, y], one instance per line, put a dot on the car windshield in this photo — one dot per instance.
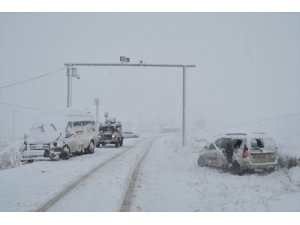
[267, 144]
[108, 128]
[43, 128]
[257, 143]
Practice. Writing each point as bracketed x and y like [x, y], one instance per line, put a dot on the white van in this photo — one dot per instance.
[60, 134]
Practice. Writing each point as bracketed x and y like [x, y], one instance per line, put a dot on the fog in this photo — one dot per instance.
[247, 66]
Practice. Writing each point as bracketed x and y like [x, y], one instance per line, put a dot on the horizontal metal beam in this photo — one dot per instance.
[128, 64]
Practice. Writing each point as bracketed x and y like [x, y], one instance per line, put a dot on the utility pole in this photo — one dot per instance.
[106, 117]
[140, 123]
[14, 125]
[183, 106]
[97, 102]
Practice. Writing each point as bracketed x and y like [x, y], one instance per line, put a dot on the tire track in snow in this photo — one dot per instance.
[129, 194]
[74, 184]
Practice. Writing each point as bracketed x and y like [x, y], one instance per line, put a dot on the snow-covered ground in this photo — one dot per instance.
[10, 156]
[169, 178]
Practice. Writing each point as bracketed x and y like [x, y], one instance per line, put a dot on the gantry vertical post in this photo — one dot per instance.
[69, 89]
[183, 106]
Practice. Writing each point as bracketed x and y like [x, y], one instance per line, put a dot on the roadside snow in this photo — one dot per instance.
[171, 180]
[10, 156]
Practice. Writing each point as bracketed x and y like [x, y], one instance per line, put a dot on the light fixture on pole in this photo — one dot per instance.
[71, 72]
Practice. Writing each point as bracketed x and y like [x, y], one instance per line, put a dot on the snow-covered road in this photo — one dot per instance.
[168, 179]
[29, 187]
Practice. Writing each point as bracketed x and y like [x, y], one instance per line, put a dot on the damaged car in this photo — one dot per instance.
[59, 135]
[241, 152]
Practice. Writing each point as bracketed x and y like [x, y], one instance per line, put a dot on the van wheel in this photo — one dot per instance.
[91, 148]
[65, 154]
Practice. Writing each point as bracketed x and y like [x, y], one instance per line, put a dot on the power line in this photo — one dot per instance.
[31, 79]
[22, 106]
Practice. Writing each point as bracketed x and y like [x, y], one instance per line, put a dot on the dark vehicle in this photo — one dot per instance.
[110, 133]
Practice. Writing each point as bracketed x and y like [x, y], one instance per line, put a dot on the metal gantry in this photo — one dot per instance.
[72, 72]
[97, 103]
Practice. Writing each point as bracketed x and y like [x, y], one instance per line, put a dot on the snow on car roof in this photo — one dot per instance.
[256, 134]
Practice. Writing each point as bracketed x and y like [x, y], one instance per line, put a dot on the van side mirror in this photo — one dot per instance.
[69, 134]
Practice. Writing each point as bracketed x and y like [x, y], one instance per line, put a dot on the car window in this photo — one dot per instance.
[257, 143]
[269, 144]
[49, 128]
[218, 143]
[211, 147]
[89, 125]
[37, 128]
[237, 143]
[226, 143]
[108, 128]
[41, 128]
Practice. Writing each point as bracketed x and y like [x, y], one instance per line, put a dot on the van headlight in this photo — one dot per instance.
[53, 145]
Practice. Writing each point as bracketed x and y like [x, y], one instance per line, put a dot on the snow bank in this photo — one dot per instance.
[10, 156]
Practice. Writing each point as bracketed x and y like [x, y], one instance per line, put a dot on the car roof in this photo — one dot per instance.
[255, 134]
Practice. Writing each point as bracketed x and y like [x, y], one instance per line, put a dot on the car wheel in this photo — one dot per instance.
[236, 168]
[200, 161]
[117, 144]
[91, 148]
[65, 154]
[121, 143]
[103, 144]
[270, 170]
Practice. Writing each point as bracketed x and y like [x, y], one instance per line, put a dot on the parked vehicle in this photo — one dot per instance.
[128, 134]
[110, 133]
[240, 152]
[60, 135]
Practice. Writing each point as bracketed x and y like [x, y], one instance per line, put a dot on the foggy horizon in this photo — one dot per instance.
[247, 66]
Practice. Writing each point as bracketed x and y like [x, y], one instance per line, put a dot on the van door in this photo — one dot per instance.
[71, 138]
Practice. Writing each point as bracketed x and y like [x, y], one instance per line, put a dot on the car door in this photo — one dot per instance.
[219, 156]
[211, 155]
[71, 137]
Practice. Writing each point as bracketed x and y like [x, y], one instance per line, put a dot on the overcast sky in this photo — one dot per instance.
[247, 65]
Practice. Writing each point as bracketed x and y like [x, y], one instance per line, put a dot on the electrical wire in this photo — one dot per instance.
[31, 79]
[21, 106]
